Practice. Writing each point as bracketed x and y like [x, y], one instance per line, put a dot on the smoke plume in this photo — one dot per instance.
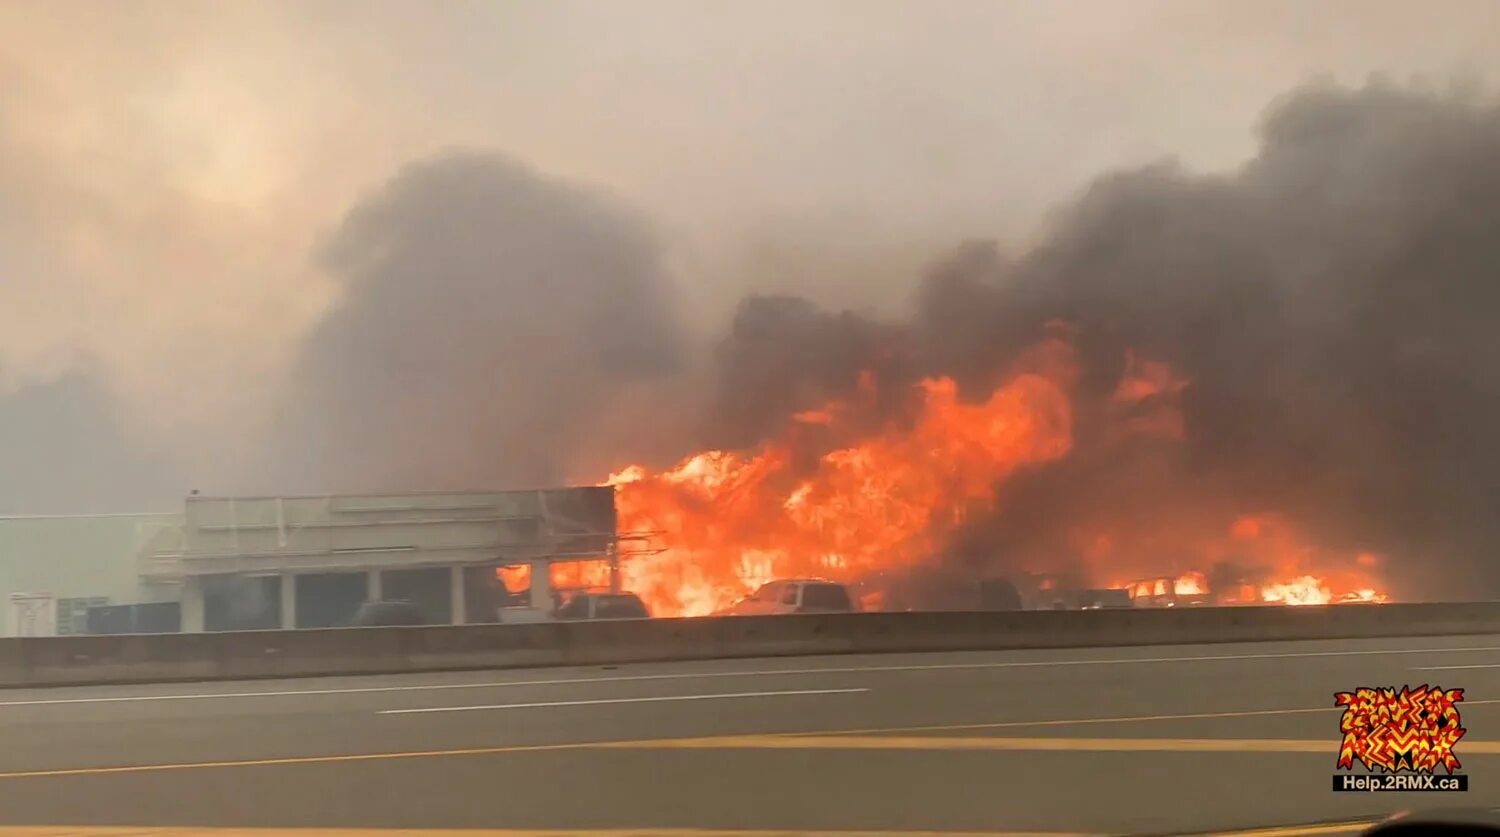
[496, 328]
[1333, 304]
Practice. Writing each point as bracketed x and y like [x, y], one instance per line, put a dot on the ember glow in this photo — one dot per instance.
[835, 497]
[1189, 584]
[591, 574]
[1257, 559]
[1299, 591]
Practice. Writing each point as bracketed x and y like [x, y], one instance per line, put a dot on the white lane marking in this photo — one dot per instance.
[656, 699]
[1452, 668]
[696, 675]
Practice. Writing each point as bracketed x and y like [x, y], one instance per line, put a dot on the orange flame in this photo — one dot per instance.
[563, 575]
[1146, 399]
[730, 521]
[1304, 590]
[1190, 584]
[890, 498]
[1279, 567]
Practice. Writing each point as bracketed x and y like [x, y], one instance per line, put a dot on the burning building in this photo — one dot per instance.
[310, 562]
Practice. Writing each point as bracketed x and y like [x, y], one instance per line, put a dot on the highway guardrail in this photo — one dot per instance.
[346, 651]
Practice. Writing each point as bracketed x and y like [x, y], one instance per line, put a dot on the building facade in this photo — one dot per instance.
[265, 563]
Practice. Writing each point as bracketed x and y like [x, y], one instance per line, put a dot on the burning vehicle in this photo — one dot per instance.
[794, 595]
[1194, 588]
[1166, 591]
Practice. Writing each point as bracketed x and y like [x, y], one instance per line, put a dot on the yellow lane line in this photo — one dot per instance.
[800, 741]
[1067, 722]
[828, 739]
[193, 831]
[1121, 719]
[876, 742]
[409, 754]
[121, 831]
[1296, 830]
[1327, 747]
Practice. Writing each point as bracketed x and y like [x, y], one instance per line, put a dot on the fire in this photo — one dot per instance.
[562, 575]
[1145, 400]
[842, 496]
[1298, 591]
[1303, 574]
[1189, 584]
[1263, 559]
[876, 501]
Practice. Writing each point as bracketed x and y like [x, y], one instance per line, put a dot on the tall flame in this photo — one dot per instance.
[837, 498]
[731, 521]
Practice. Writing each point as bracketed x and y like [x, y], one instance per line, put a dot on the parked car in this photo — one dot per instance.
[604, 606]
[794, 595]
[388, 614]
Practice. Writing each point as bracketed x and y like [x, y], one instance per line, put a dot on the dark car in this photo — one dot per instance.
[388, 614]
[604, 606]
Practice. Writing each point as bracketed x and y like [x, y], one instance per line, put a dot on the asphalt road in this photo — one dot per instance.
[1140, 740]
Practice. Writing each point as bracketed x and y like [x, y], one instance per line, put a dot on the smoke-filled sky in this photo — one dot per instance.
[229, 231]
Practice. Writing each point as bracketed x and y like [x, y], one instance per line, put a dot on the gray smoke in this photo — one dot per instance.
[64, 447]
[784, 354]
[1334, 302]
[496, 328]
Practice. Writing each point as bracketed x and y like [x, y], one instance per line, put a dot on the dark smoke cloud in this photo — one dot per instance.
[784, 354]
[1334, 303]
[498, 327]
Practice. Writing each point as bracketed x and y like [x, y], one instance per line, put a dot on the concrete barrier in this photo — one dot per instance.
[258, 654]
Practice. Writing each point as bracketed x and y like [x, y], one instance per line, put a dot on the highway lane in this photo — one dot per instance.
[905, 742]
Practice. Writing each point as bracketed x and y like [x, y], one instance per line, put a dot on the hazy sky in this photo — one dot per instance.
[168, 168]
